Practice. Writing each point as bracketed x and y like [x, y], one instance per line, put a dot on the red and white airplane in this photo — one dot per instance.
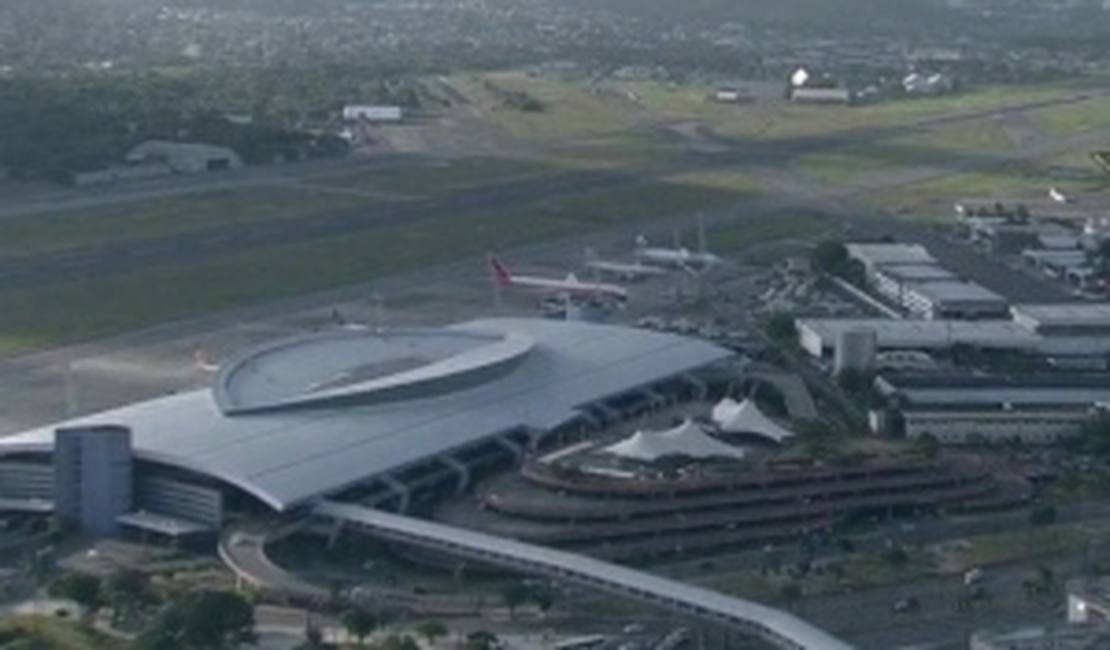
[571, 287]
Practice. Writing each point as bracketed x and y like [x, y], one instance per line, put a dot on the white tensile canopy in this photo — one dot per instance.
[745, 417]
[688, 439]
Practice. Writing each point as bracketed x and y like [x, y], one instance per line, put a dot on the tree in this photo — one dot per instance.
[482, 640]
[927, 445]
[313, 637]
[85, 590]
[830, 256]
[854, 383]
[432, 630]
[399, 642]
[203, 620]
[790, 593]
[359, 623]
[513, 595]
[781, 327]
[543, 598]
[126, 591]
[1096, 435]
[896, 557]
[1044, 515]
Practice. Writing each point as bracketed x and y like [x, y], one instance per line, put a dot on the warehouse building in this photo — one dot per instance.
[946, 299]
[875, 257]
[975, 409]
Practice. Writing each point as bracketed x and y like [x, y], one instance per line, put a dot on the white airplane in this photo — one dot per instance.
[571, 287]
[1058, 196]
[679, 257]
[201, 362]
[627, 271]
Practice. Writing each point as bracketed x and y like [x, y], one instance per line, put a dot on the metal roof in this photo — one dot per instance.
[916, 272]
[946, 292]
[926, 334]
[293, 455]
[1063, 315]
[1031, 391]
[881, 254]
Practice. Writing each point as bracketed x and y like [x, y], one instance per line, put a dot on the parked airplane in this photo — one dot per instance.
[678, 257]
[1058, 196]
[201, 362]
[627, 271]
[571, 287]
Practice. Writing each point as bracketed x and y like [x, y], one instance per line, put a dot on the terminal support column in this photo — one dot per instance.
[460, 468]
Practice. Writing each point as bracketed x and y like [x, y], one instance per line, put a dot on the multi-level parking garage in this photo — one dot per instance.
[323, 427]
[634, 514]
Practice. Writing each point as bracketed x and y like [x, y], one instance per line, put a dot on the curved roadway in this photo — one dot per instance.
[781, 629]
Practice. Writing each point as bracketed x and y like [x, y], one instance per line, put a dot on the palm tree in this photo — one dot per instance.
[359, 623]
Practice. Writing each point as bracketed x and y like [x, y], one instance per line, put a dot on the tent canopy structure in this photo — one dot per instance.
[745, 417]
[687, 439]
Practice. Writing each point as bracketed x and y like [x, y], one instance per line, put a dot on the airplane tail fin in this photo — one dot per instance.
[500, 274]
[641, 241]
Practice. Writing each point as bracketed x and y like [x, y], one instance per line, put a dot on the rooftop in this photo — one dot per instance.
[942, 291]
[1064, 315]
[881, 254]
[286, 449]
[1023, 390]
[916, 272]
[926, 334]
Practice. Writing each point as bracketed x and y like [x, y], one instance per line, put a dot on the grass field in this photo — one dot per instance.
[48, 315]
[135, 220]
[45, 633]
[1015, 180]
[640, 202]
[446, 178]
[771, 230]
[1074, 119]
[936, 147]
[571, 109]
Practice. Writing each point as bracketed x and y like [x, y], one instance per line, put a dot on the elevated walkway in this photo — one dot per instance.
[777, 627]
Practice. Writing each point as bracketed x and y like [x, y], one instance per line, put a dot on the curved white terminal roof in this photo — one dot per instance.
[686, 440]
[464, 384]
[745, 417]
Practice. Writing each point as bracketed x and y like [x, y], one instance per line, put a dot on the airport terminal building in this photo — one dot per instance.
[369, 416]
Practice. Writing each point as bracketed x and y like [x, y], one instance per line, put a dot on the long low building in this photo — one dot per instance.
[976, 409]
[312, 416]
[821, 337]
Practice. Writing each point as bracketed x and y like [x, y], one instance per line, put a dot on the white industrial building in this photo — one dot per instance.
[909, 277]
[836, 96]
[1089, 600]
[1064, 320]
[874, 256]
[973, 409]
[946, 299]
[1064, 332]
[820, 337]
[891, 280]
[373, 113]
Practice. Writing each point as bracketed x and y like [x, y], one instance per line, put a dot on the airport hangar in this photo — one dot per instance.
[353, 413]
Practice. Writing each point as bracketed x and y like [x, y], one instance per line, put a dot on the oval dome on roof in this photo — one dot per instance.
[362, 367]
